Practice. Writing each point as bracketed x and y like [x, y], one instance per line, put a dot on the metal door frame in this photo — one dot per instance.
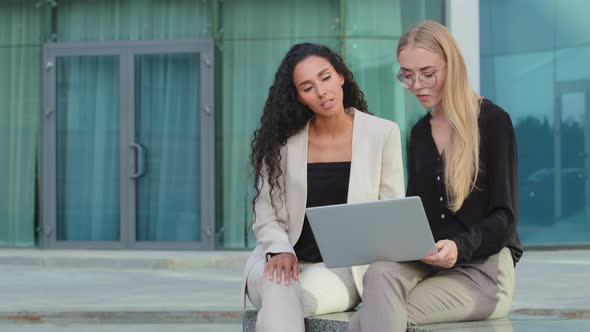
[126, 51]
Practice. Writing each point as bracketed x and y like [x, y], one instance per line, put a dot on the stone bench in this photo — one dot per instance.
[338, 322]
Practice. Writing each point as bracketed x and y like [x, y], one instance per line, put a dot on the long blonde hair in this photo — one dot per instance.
[461, 106]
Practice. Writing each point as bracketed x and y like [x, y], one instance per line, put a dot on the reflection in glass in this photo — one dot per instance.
[540, 82]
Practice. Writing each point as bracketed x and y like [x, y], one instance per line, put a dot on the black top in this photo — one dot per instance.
[327, 184]
[487, 220]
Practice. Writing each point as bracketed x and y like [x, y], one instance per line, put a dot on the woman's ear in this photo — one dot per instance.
[342, 80]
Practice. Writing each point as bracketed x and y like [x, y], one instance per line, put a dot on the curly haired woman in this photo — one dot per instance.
[316, 145]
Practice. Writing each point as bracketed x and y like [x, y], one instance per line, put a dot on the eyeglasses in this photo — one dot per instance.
[428, 80]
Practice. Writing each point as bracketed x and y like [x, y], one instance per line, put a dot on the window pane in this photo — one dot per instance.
[84, 20]
[87, 136]
[168, 132]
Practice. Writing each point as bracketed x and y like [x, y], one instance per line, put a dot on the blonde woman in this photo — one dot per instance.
[462, 164]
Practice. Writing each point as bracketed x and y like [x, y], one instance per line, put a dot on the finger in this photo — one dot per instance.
[443, 252]
[429, 260]
[429, 257]
[296, 271]
[266, 269]
[279, 273]
[440, 244]
[287, 275]
[433, 259]
[271, 272]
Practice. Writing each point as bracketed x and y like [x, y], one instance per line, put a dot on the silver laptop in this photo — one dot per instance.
[357, 234]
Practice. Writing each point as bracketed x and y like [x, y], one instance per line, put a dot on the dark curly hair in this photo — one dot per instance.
[284, 116]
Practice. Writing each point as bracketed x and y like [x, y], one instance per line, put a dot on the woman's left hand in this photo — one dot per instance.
[445, 257]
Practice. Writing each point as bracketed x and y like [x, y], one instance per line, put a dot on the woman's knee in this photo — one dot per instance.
[379, 273]
[280, 303]
[273, 289]
[263, 292]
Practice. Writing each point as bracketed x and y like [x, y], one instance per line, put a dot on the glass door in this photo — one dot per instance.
[128, 148]
[168, 183]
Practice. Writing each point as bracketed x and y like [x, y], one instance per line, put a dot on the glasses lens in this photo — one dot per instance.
[428, 80]
[404, 80]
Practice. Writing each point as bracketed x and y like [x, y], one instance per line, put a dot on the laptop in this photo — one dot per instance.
[362, 233]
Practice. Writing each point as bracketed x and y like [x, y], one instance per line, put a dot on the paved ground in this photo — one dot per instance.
[173, 291]
[121, 327]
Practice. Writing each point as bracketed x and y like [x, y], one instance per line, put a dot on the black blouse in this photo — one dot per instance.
[487, 220]
[327, 184]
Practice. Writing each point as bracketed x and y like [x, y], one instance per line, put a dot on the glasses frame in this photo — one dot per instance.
[399, 78]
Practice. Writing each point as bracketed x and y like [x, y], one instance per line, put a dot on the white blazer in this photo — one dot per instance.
[376, 172]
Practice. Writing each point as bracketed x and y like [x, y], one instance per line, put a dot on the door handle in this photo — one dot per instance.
[140, 163]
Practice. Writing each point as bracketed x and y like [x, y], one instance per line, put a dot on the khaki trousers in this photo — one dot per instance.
[320, 290]
[400, 294]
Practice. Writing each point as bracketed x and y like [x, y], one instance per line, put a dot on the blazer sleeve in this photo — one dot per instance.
[392, 173]
[269, 228]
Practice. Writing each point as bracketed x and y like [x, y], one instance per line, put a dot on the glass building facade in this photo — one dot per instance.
[105, 127]
[534, 63]
[127, 123]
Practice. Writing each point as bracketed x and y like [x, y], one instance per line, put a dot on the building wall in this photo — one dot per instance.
[23, 29]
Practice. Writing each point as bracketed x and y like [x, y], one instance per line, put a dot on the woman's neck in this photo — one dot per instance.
[436, 110]
[438, 114]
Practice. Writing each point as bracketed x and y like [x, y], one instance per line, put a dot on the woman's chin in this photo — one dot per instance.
[328, 112]
[428, 104]
[424, 104]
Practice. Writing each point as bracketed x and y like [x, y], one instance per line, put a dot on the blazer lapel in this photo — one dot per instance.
[360, 178]
[359, 170]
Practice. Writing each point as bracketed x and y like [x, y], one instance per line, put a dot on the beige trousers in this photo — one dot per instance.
[281, 308]
[400, 294]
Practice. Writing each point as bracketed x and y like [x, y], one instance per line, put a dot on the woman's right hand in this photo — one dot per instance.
[282, 263]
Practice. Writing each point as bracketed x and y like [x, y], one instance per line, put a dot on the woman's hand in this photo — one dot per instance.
[445, 257]
[282, 263]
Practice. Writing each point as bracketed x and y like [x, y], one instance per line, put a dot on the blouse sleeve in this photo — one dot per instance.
[488, 236]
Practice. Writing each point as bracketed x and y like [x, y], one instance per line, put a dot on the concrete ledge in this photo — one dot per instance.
[548, 320]
[123, 317]
[123, 259]
[337, 322]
